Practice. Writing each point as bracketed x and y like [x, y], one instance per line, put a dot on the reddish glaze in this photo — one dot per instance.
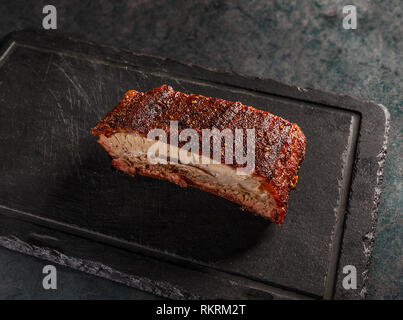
[280, 144]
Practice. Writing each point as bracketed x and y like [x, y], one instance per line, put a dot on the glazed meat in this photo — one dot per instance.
[276, 151]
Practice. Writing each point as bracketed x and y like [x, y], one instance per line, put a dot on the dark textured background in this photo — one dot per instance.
[298, 42]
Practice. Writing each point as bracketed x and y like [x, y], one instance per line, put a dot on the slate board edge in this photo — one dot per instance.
[44, 241]
[373, 116]
[95, 268]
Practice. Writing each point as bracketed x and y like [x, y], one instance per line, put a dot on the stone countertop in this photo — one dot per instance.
[301, 43]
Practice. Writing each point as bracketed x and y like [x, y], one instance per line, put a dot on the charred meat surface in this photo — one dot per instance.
[279, 146]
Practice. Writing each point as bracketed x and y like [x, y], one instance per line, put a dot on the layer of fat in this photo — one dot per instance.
[133, 148]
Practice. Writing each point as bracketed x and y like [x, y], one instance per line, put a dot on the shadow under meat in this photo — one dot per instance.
[183, 221]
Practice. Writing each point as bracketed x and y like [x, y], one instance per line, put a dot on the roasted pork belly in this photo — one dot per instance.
[277, 151]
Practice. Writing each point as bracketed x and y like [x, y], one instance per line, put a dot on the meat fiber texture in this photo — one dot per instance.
[279, 147]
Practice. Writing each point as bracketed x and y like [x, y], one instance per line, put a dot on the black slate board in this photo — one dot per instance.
[60, 200]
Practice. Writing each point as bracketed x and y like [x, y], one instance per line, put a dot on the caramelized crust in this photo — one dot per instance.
[279, 149]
